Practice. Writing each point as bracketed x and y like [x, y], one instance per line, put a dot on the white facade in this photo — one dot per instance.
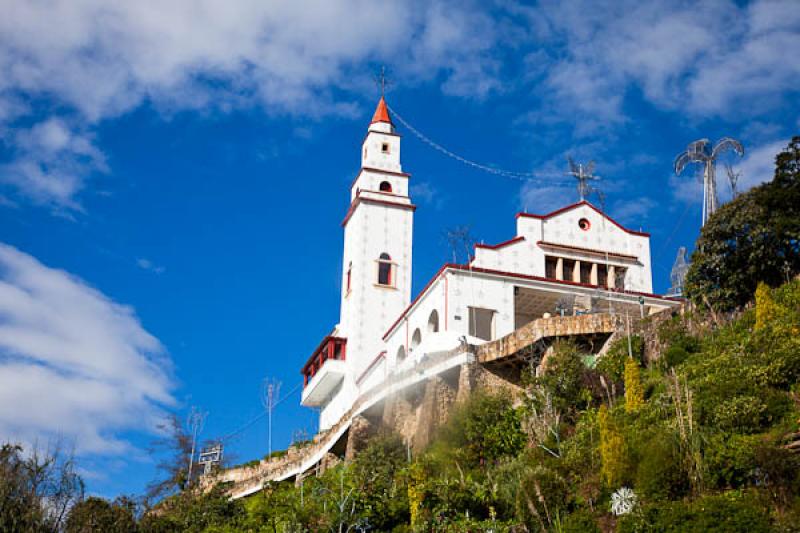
[577, 253]
[376, 267]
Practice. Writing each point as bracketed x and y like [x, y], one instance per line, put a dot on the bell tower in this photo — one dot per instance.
[378, 226]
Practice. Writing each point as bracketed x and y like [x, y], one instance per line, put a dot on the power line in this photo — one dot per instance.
[519, 176]
[250, 423]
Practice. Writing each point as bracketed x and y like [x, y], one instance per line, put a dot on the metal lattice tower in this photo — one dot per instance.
[584, 174]
[677, 276]
[702, 152]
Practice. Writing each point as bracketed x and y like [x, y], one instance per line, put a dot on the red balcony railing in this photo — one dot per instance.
[330, 348]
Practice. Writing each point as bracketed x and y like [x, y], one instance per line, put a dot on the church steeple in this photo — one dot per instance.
[381, 113]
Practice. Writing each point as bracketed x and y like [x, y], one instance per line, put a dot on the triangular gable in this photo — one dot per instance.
[579, 204]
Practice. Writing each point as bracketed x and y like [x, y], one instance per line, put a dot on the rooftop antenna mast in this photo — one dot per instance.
[195, 421]
[270, 391]
[584, 174]
[702, 152]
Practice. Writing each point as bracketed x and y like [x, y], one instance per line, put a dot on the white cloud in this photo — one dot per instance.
[425, 192]
[146, 264]
[73, 363]
[633, 211]
[704, 59]
[541, 199]
[50, 162]
[101, 60]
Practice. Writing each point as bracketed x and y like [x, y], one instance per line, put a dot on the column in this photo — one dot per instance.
[576, 272]
[560, 268]
[593, 275]
[612, 276]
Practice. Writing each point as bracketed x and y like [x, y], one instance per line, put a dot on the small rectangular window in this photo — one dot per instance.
[385, 148]
[481, 323]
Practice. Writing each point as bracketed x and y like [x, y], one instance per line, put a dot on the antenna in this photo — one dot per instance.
[584, 174]
[733, 179]
[459, 240]
[270, 391]
[701, 152]
[677, 276]
[195, 422]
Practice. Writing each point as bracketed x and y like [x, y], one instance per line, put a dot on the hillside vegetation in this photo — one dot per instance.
[694, 441]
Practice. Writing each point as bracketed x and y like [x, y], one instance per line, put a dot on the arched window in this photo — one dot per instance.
[401, 354]
[416, 338]
[385, 186]
[349, 276]
[385, 270]
[433, 322]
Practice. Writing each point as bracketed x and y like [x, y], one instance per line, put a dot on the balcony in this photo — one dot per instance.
[324, 371]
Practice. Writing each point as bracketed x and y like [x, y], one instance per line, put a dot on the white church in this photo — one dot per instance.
[570, 255]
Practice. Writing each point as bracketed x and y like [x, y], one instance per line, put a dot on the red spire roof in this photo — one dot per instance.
[381, 113]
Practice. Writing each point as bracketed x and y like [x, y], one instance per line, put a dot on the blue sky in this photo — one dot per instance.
[173, 177]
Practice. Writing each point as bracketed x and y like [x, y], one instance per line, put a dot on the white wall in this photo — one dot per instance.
[526, 257]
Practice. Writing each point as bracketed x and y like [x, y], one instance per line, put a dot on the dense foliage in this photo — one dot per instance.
[694, 441]
[754, 238]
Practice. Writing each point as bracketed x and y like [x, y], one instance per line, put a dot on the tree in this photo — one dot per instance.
[36, 489]
[96, 514]
[174, 448]
[754, 238]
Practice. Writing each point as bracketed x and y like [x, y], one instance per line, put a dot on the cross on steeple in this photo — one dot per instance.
[382, 81]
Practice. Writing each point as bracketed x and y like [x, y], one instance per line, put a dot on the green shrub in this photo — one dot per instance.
[612, 364]
[579, 522]
[674, 356]
[485, 428]
[563, 378]
[730, 459]
[660, 474]
[728, 512]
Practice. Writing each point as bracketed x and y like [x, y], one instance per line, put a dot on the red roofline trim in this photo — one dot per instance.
[417, 298]
[573, 206]
[490, 271]
[374, 362]
[500, 245]
[324, 341]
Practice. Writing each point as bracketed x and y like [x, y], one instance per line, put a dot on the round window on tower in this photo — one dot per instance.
[584, 224]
